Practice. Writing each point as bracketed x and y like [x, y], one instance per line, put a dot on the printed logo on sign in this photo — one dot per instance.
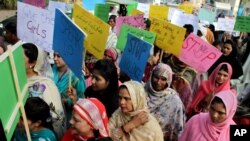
[239, 132]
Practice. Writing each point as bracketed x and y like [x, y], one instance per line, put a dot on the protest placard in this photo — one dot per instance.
[130, 6]
[35, 25]
[13, 88]
[224, 24]
[68, 42]
[242, 24]
[90, 4]
[102, 11]
[97, 31]
[142, 34]
[198, 53]
[135, 21]
[187, 8]
[144, 8]
[134, 57]
[65, 7]
[169, 37]
[158, 11]
[136, 12]
[207, 14]
[37, 3]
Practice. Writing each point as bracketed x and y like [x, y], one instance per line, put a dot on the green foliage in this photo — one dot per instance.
[9, 4]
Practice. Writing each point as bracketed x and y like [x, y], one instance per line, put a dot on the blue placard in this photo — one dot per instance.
[90, 4]
[134, 57]
[68, 42]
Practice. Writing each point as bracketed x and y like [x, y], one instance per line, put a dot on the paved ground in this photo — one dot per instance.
[6, 13]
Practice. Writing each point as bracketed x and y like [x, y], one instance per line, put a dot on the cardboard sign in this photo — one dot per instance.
[136, 12]
[90, 4]
[135, 21]
[207, 15]
[198, 53]
[37, 3]
[242, 24]
[158, 11]
[224, 24]
[59, 5]
[68, 42]
[169, 37]
[10, 106]
[102, 11]
[187, 8]
[144, 8]
[134, 57]
[142, 34]
[97, 31]
[35, 25]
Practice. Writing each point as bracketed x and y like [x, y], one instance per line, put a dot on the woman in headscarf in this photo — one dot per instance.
[215, 125]
[43, 87]
[164, 102]
[132, 121]
[89, 122]
[218, 81]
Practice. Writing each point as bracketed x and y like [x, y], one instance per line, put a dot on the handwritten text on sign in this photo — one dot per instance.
[142, 34]
[135, 21]
[35, 25]
[68, 41]
[198, 54]
[169, 37]
[97, 31]
[225, 24]
[134, 58]
[242, 24]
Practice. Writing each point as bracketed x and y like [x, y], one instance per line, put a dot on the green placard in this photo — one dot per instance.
[102, 11]
[131, 6]
[143, 34]
[8, 96]
[242, 24]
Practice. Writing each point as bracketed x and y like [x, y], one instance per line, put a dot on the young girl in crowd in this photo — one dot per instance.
[132, 121]
[89, 122]
[218, 81]
[215, 125]
[39, 122]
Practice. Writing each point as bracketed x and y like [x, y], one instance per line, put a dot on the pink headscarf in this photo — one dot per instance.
[200, 127]
[208, 87]
[93, 111]
[112, 53]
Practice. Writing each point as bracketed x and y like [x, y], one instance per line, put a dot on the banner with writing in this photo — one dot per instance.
[198, 53]
[134, 57]
[207, 14]
[90, 4]
[102, 11]
[60, 5]
[224, 24]
[9, 100]
[187, 8]
[35, 25]
[158, 11]
[135, 21]
[68, 42]
[37, 3]
[144, 8]
[242, 24]
[169, 37]
[97, 31]
[142, 34]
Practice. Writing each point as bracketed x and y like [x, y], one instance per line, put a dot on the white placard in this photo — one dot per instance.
[224, 24]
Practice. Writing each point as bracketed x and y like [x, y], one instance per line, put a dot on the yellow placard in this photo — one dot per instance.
[97, 31]
[169, 37]
[158, 11]
[187, 8]
[136, 12]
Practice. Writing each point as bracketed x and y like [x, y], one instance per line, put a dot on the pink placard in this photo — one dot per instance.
[198, 53]
[37, 3]
[135, 21]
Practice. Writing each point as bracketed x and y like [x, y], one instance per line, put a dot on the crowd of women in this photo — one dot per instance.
[172, 102]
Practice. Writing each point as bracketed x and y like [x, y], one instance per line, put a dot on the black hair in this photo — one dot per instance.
[217, 100]
[156, 50]
[224, 68]
[217, 42]
[148, 23]
[37, 109]
[112, 17]
[211, 27]
[31, 51]
[108, 71]
[199, 33]
[11, 27]
[189, 28]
